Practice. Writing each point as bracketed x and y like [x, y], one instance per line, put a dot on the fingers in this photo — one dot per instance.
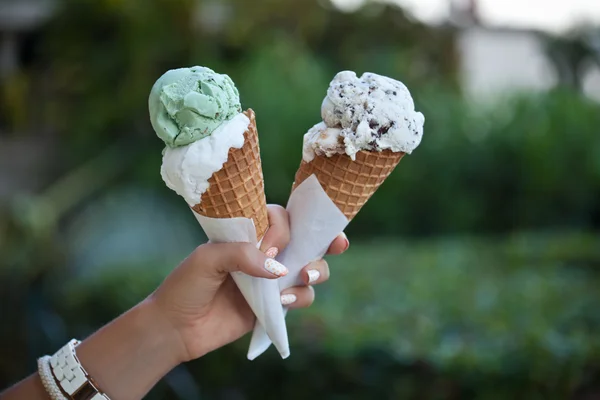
[218, 259]
[314, 273]
[278, 234]
[303, 296]
[298, 297]
[339, 245]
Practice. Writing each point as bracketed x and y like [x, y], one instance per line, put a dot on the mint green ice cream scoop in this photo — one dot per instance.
[188, 104]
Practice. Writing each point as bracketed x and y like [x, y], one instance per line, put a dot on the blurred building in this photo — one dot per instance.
[18, 19]
[591, 83]
[497, 60]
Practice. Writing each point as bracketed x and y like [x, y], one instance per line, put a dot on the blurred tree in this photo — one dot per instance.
[92, 70]
[572, 54]
[101, 58]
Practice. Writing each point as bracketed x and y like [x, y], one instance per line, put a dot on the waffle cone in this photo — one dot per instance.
[238, 189]
[349, 184]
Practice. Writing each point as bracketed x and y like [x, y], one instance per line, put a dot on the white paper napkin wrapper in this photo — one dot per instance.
[315, 221]
[263, 295]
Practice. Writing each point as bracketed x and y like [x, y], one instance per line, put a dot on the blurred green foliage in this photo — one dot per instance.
[510, 165]
[451, 318]
[97, 60]
[482, 312]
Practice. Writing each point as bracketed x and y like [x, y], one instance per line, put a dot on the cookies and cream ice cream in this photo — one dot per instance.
[372, 113]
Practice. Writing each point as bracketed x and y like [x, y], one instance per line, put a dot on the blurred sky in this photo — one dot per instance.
[549, 15]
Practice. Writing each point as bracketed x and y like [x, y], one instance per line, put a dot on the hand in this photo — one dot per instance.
[202, 302]
[197, 309]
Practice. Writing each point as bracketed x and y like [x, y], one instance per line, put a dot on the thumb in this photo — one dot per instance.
[220, 258]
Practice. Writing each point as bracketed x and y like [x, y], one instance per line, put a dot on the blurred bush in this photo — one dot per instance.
[449, 318]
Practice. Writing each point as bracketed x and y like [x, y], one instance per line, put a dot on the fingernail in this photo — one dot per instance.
[275, 268]
[272, 252]
[313, 275]
[287, 299]
[347, 241]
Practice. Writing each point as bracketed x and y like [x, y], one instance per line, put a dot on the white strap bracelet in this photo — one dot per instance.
[72, 378]
[48, 379]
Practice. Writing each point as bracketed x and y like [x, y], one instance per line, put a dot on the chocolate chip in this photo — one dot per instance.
[373, 124]
[337, 113]
[382, 131]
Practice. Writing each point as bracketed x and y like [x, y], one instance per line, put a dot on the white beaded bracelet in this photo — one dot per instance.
[48, 379]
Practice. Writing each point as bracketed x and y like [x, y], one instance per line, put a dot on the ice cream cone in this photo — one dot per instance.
[369, 123]
[238, 189]
[350, 184]
[212, 160]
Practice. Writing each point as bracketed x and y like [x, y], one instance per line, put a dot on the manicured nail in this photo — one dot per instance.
[313, 275]
[275, 268]
[287, 299]
[272, 252]
[347, 244]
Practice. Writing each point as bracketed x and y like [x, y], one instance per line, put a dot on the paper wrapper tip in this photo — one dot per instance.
[315, 222]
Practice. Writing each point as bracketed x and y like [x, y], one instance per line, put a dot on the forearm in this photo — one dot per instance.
[130, 355]
[30, 388]
[126, 358]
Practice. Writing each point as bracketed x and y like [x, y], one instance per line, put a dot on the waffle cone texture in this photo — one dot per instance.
[350, 184]
[238, 189]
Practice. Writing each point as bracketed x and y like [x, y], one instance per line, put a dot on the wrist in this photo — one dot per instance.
[163, 330]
